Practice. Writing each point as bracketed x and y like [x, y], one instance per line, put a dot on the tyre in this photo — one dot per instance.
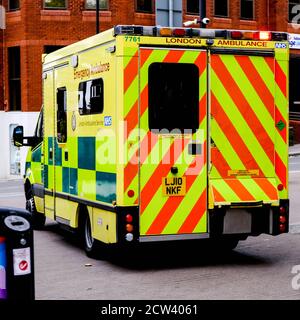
[38, 219]
[229, 244]
[91, 246]
[223, 245]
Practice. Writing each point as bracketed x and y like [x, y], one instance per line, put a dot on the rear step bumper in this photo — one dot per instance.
[249, 219]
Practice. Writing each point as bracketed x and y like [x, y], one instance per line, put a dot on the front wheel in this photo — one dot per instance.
[38, 219]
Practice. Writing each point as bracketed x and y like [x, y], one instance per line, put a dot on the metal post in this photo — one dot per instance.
[202, 7]
[97, 17]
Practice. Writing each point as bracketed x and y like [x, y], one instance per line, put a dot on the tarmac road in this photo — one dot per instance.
[260, 268]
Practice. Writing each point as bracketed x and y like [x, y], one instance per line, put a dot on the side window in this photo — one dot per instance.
[39, 131]
[61, 100]
[91, 97]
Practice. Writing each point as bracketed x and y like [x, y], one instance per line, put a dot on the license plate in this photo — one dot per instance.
[174, 186]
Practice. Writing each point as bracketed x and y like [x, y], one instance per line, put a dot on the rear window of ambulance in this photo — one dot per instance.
[173, 96]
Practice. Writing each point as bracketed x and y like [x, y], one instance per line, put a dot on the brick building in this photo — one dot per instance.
[34, 27]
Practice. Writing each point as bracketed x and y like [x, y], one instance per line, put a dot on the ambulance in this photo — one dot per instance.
[151, 134]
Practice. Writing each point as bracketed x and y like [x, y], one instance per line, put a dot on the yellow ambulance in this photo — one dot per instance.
[162, 134]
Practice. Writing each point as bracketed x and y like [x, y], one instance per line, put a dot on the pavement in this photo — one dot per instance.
[294, 150]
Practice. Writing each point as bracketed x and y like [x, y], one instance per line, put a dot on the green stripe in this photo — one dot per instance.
[36, 155]
[87, 153]
[106, 187]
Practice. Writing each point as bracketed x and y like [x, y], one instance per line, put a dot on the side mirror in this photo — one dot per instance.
[18, 136]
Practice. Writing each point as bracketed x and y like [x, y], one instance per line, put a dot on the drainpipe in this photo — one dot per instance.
[97, 17]
[202, 7]
[171, 8]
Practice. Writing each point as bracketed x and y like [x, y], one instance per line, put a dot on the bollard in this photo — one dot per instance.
[16, 255]
[3, 292]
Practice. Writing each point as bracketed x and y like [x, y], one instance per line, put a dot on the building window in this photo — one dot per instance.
[144, 6]
[247, 9]
[292, 13]
[14, 75]
[221, 8]
[173, 97]
[55, 4]
[49, 49]
[13, 5]
[61, 100]
[91, 97]
[192, 7]
[91, 4]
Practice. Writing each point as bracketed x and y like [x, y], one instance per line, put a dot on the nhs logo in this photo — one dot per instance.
[107, 121]
[280, 45]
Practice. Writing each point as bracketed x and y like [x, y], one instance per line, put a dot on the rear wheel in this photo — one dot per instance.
[92, 247]
[223, 245]
[229, 244]
[38, 219]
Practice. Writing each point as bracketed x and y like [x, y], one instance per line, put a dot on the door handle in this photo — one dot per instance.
[50, 154]
[66, 156]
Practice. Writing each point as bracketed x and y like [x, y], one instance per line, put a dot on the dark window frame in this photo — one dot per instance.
[253, 10]
[81, 105]
[14, 9]
[173, 97]
[51, 48]
[291, 4]
[56, 8]
[221, 15]
[61, 115]
[145, 11]
[93, 9]
[192, 12]
[14, 78]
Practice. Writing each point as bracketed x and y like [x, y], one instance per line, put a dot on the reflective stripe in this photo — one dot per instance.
[170, 215]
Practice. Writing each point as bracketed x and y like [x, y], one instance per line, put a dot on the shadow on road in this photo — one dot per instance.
[178, 255]
[165, 255]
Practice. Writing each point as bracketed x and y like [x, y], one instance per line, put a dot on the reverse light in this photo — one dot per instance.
[129, 237]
